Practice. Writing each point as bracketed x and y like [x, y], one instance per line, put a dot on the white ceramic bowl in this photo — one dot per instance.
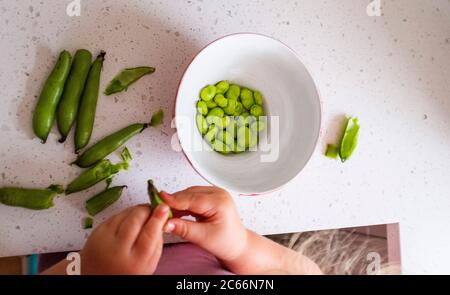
[258, 62]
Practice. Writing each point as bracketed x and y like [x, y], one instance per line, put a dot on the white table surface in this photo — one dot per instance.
[392, 71]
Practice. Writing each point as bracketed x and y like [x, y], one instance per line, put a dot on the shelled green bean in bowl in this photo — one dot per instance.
[247, 114]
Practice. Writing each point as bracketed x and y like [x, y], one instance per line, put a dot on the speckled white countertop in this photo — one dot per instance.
[393, 71]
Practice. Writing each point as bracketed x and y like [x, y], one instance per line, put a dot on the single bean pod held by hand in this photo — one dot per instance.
[110, 143]
[88, 104]
[155, 198]
[68, 107]
[36, 199]
[103, 170]
[44, 114]
[103, 200]
[127, 77]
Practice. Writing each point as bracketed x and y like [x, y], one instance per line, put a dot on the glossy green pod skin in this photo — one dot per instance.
[103, 200]
[35, 199]
[103, 170]
[68, 107]
[349, 139]
[127, 77]
[108, 144]
[155, 198]
[45, 111]
[88, 104]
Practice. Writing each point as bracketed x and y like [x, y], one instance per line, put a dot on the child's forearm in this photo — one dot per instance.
[263, 256]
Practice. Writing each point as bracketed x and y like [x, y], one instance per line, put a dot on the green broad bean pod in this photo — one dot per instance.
[103, 200]
[126, 78]
[155, 198]
[35, 199]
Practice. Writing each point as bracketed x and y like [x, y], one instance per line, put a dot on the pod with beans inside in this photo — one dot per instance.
[35, 199]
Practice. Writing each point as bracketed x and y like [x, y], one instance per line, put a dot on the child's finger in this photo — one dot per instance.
[152, 229]
[199, 203]
[186, 229]
[131, 226]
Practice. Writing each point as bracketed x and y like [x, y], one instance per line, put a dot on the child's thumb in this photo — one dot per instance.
[186, 229]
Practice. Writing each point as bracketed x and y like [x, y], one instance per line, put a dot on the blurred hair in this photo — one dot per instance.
[336, 252]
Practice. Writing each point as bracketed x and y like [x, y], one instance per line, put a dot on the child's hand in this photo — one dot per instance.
[128, 243]
[218, 228]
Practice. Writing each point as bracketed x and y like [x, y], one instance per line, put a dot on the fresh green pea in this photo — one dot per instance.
[103, 170]
[222, 87]
[88, 104]
[155, 198]
[230, 109]
[208, 93]
[332, 151]
[202, 108]
[35, 199]
[237, 149]
[88, 222]
[210, 136]
[216, 112]
[225, 137]
[245, 119]
[221, 100]
[68, 107]
[233, 92]
[257, 110]
[125, 78]
[211, 104]
[202, 125]
[243, 136]
[221, 147]
[258, 98]
[247, 98]
[103, 200]
[349, 139]
[238, 109]
[258, 125]
[226, 121]
[45, 111]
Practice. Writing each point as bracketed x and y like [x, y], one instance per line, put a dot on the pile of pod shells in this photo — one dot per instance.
[230, 117]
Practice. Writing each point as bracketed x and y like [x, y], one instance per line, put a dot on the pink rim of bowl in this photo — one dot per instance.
[315, 86]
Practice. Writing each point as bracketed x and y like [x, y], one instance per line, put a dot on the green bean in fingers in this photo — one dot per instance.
[35, 199]
[103, 200]
[68, 107]
[102, 171]
[88, 104]
[112, 142]
[155, 198]
[44, 114]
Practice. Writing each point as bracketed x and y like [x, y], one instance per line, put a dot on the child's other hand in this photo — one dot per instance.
[128, 243]
[218, 228]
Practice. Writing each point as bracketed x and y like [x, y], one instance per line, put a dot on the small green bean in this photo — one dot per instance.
[88, 104]
[202, 125]
[68, 107]
[231, 107]
[208, 93]
[103, 200]
[211, 104]
[103, 170]
[202, 108]
[233, 92]
[157, 119]
[44, 114]
[220, 100]
[258, 98]
[155, 198]
[221, 147]
[258, 125]
[225, 137]
[35, 199]
[222, 87]
[238, 109]
[124, 79]
[210, 136]
[247, 98]
[216, 112]
[257, 110]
